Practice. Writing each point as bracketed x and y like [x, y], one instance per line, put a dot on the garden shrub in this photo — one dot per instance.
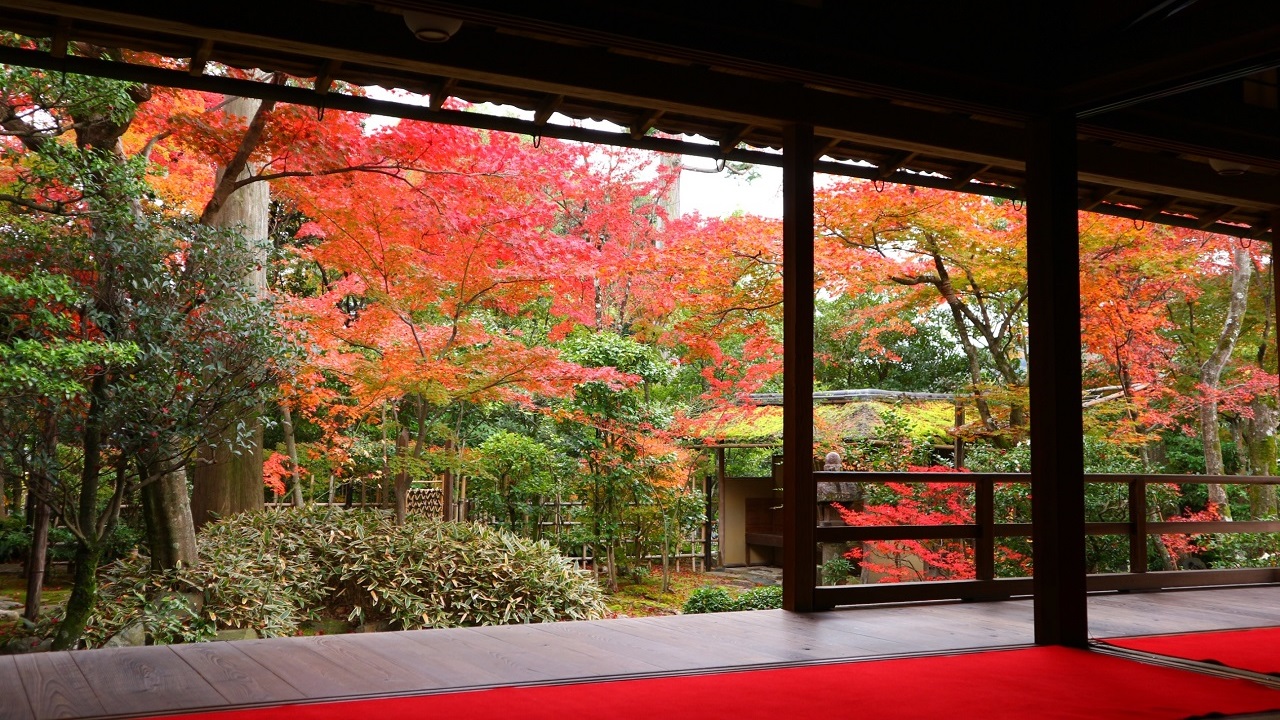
[707, 599]
[765, 597]
[836, 570]
[712, 599]
[15, 539]
[275, 570]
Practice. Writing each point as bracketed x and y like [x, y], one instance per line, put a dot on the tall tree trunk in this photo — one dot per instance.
[1259, 434]
[84, 592]
[402, 478]
[291, 447]
[171, 531]
[227, 483]
[84, 586]
[38, 556]
[1260, 430]
[41, 483]
[1211, 375]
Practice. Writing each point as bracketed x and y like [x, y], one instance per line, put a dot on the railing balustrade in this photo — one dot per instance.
[984, 531]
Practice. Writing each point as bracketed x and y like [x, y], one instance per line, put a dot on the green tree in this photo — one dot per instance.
[611, 430]
[514, 475]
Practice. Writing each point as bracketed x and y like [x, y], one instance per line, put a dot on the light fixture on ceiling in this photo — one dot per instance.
[429, 27]
[1227, 167]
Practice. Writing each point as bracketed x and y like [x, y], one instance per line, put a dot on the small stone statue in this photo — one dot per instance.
[833, 461]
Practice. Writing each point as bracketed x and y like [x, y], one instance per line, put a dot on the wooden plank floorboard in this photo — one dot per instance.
[14, 704]
[857, 633]
[56, 688]
[516, 663]
[770, 630]
[145, 679]
[898, 632]
[659, 652]
[448, 657]
[697, 638]
[1124, 614]
[730, 643]
[118, 682]
[838, 641]
[238, 678]
[327, 667]
[573, 660]
[603, 654]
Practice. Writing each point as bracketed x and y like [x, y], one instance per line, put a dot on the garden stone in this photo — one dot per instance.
[8, 604]
[184, 605]
[27, 644]
[237, 634]
[9, 615]
[131, 635]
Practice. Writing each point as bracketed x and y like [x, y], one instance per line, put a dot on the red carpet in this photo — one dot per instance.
[1040, 683]
[1254, 650]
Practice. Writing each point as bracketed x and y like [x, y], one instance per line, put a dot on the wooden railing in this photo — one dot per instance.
[984, 530]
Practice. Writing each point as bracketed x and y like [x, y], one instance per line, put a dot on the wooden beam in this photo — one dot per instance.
[1155, 208]
[1185, 52]
[547, 108]
[826, 146]
[799, 491]
[891, 165]
[1165, 175]
[1099, 197]
[604, 77]
[441, 92]
[61, 35]
[1057, 455]
[1206, 220]
[325, 76]
[962, 180]
[733, 136]
[200, 58]
[644, 123]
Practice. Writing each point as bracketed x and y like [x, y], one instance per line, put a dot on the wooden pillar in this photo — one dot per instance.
[799, 491]
[1057, 427]
[1275, 278]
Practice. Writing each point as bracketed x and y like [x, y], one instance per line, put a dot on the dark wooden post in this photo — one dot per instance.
[984, 548]
[1137, 525]
[724, 511]
[799, 491]
[957, 459]
[707, 523]
[1275, 274]
[1057, 426]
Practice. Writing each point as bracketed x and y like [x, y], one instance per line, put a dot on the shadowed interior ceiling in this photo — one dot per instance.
[929, 94]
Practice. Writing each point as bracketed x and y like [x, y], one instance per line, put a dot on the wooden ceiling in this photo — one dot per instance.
[932, 94]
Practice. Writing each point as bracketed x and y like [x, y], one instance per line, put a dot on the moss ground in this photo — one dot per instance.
[13, 587]
[644, 597]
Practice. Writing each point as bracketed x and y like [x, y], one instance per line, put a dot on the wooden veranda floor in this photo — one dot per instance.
[129, 682]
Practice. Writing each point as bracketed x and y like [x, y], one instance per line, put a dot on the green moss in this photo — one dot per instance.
[928, 420]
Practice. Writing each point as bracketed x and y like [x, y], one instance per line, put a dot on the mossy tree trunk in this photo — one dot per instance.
[228, 475]
[171, 532]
